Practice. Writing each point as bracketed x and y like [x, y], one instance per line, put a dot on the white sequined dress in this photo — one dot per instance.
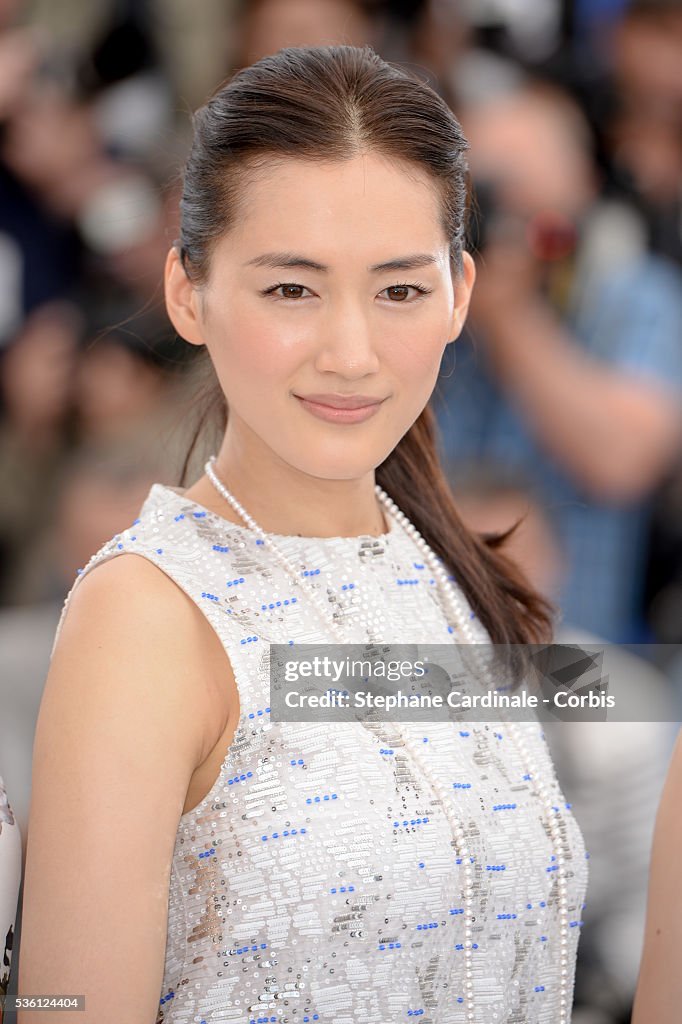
[317, 881]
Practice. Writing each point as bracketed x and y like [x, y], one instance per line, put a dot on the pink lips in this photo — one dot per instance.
[341, 408]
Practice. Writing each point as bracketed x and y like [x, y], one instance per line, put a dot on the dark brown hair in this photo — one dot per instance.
[330, 103]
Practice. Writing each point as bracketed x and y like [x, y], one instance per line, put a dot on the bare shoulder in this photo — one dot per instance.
[130, 621]
[123, 723]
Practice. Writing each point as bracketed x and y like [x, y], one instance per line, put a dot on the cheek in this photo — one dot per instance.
[257, 357]
[256, 354]
[414, 351]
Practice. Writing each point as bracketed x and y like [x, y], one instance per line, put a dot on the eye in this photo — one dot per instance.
[288, 286]
[401, 287]
[421, 289]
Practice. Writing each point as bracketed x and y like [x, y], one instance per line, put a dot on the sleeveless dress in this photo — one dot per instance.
[317, 881]
[10, 881]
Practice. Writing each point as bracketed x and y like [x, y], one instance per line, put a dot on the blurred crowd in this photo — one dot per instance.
[561, 401]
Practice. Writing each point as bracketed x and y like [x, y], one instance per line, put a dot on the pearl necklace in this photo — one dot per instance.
[459, 616]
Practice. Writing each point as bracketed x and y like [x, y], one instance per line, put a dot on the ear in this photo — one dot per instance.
[463, 285]
[182, 300]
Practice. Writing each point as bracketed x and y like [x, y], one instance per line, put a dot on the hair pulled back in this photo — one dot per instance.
[329, 103]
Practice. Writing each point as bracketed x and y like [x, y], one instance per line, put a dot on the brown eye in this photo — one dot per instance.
[403, 288]
[288, 290]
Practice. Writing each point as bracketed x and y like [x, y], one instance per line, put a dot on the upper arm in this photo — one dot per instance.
[659, 987]
[121, 727]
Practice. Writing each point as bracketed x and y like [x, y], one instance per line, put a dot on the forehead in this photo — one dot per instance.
[367, 198]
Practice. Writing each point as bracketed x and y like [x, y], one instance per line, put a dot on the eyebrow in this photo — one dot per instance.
[275, 260]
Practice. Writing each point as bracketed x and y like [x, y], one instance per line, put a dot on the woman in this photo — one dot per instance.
[658, 988]
[250, 870]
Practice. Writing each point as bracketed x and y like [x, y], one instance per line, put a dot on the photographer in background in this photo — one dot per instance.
[571, 371]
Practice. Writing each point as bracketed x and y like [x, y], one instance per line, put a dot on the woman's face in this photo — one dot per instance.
[278, 330]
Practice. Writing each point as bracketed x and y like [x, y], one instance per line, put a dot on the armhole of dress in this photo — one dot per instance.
[236, 671]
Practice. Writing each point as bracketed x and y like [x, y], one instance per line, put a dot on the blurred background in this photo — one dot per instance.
[561, 402]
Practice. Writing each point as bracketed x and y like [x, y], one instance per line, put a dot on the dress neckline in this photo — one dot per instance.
[177, 494]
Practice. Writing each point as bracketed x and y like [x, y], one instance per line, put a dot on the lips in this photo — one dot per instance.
[342, 401]
[355, 408]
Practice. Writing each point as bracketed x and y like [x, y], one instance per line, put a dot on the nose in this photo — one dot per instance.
[348, 347]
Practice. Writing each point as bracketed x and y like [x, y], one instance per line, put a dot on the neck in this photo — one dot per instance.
[286, 501]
